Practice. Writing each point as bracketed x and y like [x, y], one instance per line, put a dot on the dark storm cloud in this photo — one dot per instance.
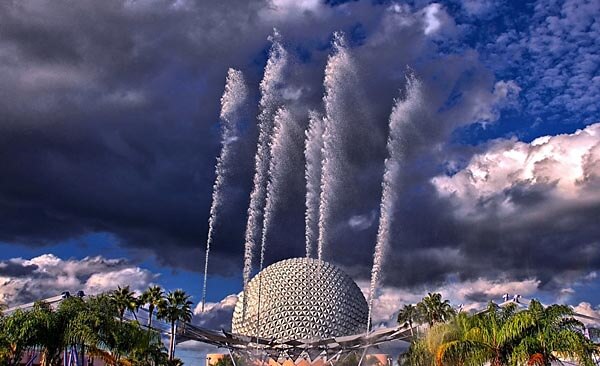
[12, 269]
[109, 117]
[529, 209]
[109, 122]
[478, 297]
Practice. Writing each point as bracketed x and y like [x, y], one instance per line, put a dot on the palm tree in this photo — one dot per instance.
[433, 310]
[49, 331]
[124, 299]
[18, 331]
[99, 328]
[116, 342]
[423, 351]
[407, 315]
[95, 323]
[502, 336]
[489, 337]
[148, 349]
[555, 333]
[174, 308]
[153, 296]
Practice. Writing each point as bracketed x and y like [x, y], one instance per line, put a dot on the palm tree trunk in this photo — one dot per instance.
[150, 310]
[172, 341]
[44, 358]
[410, 324]
[496, 361]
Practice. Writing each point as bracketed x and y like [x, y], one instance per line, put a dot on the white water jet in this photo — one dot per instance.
[340, 73]
[405, 114]
[271, 98]
[281, 142]
[279, 147]
[313, 154]
[233, 107]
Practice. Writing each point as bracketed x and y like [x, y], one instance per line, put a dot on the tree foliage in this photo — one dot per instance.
[502, 336]
[124, 299]
[175, 307]
[407, 316]
[153, 297]
[95, 326]
[433, 309]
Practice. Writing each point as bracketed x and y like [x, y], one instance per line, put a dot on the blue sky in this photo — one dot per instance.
[109, 132]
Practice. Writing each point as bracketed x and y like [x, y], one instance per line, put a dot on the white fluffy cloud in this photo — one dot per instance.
[585, 308]
[387, 303]
[511, 175]
[286, 9]
[557, 57]
[471, 295]
[26, 280]
[216, 315]
[476, 294]
[478, 7]
[435, 19]
[487, 106]
[432, 19]
[505, 94]
[362, 222]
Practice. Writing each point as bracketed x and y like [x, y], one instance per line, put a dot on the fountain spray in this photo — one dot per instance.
[271, 99]
[340, 73]
[233, 107]
[405, 114]
[281, 142]
[313, 154]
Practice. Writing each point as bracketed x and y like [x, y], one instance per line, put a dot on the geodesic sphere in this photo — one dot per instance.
[300, 298]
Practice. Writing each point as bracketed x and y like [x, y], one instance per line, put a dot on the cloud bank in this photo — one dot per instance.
[111, 125]
[536, 180]
[28, 280]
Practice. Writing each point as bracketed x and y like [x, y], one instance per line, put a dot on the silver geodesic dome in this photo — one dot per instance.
[301, 298]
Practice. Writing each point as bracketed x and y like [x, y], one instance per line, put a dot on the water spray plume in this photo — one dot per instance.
[313, 153]
[340, 73]
[281, 142]
[233, 107]
[405, 114]
[271, 99]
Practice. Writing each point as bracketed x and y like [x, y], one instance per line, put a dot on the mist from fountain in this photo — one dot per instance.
[280, 144]
[313, 154]
[233, 108]
[340, 73]
[405, 114]
[271, 100]
[327, 141]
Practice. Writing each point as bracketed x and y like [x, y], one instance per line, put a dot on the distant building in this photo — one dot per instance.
[370, 360]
